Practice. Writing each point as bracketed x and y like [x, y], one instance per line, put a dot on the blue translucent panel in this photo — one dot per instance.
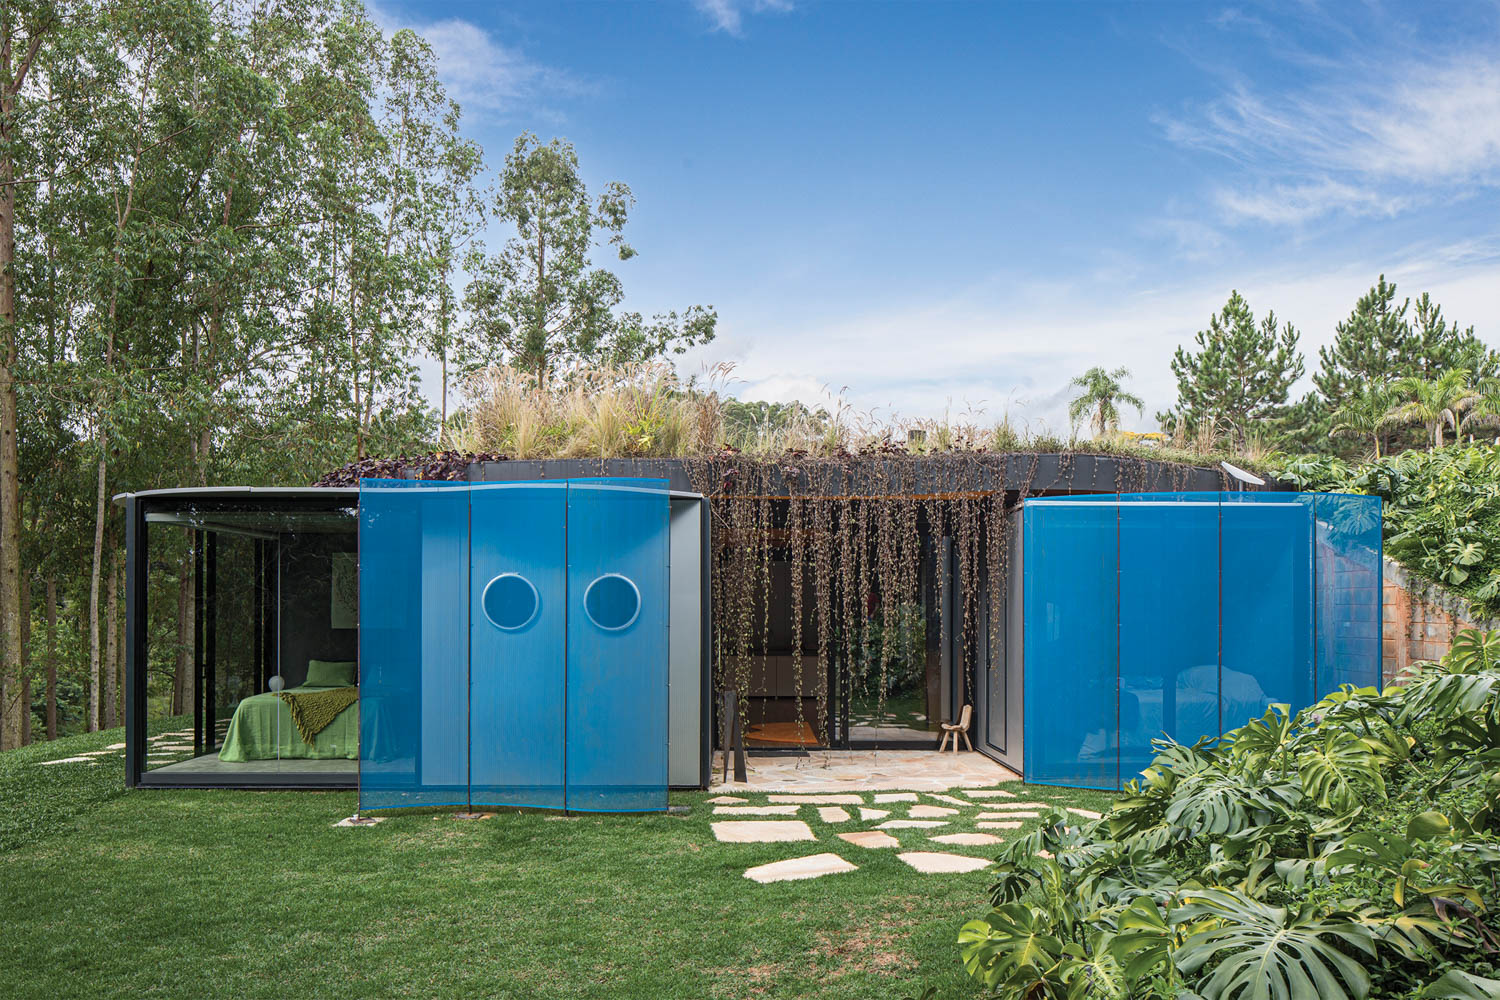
[413, 638]
[616, 733]
[1348, 560]
[517, 638]
[1071, 724]
[1169, 623]
[1267, 605]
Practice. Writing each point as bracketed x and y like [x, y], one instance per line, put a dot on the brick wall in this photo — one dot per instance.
[1419, 620]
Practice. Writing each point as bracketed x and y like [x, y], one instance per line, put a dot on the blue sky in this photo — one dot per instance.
[956, 207]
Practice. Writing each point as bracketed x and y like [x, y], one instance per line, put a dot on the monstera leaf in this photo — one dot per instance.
[1455, 985]
[1340, 771]
[1015, 942]
[1271, 953]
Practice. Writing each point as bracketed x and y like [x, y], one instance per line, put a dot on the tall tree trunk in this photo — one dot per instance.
[51, 657]
[112, 646]
[26, 664]
[12, 77]
[182, 678]
[94, 658]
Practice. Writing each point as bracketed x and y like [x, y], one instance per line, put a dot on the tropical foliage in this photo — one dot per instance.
[1347, 852]
[1441, 512]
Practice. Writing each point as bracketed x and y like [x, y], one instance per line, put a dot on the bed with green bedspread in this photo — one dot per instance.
[262, 729]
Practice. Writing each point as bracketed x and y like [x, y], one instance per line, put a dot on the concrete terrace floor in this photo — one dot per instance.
[863, 770]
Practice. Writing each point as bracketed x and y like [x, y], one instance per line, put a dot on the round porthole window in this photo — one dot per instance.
[612, 602]
[510, 602]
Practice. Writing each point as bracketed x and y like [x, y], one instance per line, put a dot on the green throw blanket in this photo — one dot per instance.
[313, 711]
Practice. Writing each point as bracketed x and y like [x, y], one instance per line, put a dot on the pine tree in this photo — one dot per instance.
[1239, 377]
[1375, 345]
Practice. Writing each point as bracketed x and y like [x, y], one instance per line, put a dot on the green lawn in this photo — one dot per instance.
[109, 893]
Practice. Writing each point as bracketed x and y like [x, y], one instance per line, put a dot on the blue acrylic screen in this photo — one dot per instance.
[413, 637]
[1070, 678]
[513, 644]
[617, 644]
[1186, 614]
[517, 640]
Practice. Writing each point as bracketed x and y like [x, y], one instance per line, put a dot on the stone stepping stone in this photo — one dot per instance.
[932, 862]
[761, 831]
[791, 870]
[990, 793]
[1018, 805]
[1017, 814]
[115, 746]
[726, 800]
[360, 821]
[755, 810]
[950, 800]
[998, 826]
[871, 839]
[895, 797]
[67, 760]
[968, 839]
[865, 812]
[820, 800]
[912, 824]
[833, 814]
[1085, 813]
[930, 812]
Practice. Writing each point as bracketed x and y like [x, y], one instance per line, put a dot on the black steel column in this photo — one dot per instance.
[211, 644]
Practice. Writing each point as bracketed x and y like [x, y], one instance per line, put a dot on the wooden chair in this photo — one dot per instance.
[953, 731]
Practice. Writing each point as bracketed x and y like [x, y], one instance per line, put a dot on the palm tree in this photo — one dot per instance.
[1100, 393]
[1433, 403]
[1364, 413]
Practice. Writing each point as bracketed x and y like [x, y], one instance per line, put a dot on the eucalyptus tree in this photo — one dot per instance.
[541, 303]
[1100, 393]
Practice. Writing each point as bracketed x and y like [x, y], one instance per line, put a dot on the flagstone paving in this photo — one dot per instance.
[989, 793]
[930, 812]
[865, 812]
[895, 797]
[762, 831]
[871, 839]
[755, 810]
[813, 866]
[833, 814]
[1016, 805]
[1085, 813]
[819, 800]
[936, 861]
[1014, 814]
[912, 824]
[945, 798]
[725, 800]
[968, 839]
[992, 825]
[867, 770]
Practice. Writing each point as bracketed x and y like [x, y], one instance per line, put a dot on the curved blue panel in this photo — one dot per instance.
[517, 644]
[1349, 571]
[616, 740]
[413, 629]
[1071, 671]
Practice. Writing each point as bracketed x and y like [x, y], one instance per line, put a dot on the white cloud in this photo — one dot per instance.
[729, 15]
[1014, 355]
[1376, 140]
[485, 76]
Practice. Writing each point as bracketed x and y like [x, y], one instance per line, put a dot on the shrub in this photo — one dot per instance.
[1348, 852]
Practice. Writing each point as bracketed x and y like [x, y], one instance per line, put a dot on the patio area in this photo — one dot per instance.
[864, 770]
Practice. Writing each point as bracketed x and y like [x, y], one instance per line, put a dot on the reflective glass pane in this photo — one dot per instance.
[1070, 643]
[1267, 604]
[413, 606]
[517, 655]
[616, 734]
[1348, 558]
[1169, 623]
